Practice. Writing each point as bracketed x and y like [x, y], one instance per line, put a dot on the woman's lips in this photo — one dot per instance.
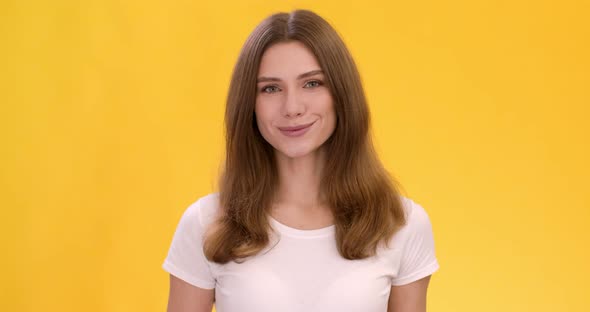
[296, 130]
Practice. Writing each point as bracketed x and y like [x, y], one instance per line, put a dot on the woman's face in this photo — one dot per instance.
[294, 108]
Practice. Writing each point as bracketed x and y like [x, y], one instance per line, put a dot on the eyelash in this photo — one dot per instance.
[320, 83]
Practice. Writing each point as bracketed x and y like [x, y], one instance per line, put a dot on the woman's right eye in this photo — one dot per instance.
[270, 89]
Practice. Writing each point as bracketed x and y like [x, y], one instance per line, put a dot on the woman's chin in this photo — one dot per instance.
[295, 152]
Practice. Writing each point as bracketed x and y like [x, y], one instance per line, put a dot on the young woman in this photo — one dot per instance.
[306, 218]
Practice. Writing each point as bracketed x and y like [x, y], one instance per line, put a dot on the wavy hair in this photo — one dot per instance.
[362, 195]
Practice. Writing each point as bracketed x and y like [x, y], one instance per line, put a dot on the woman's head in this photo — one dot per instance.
[284, 46]
[364, 200]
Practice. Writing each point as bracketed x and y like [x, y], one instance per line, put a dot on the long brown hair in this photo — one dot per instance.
[363, 196]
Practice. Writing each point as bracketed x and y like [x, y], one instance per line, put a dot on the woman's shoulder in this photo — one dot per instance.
[415, 213]
[417, 218]
[204, 209]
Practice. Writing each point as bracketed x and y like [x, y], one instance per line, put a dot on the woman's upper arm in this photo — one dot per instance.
[185, 297]
[410, 297]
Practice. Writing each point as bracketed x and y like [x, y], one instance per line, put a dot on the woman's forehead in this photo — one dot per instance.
[287, 60]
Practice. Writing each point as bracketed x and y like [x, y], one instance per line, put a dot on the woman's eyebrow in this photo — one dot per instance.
[304, 75]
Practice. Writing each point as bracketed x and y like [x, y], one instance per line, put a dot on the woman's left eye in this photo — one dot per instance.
[314, 83]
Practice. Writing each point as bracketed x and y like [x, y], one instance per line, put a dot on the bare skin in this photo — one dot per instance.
[184, 297]
[410, 297]
[292, 92]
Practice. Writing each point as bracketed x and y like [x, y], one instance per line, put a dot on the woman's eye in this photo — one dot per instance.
[313, 83]
[270, 89]
[273, 89]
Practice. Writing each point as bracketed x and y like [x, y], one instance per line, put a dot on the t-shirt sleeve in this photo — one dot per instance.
[418, 257]
[185, 258]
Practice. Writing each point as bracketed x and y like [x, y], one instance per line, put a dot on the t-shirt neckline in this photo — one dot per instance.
[290, 231]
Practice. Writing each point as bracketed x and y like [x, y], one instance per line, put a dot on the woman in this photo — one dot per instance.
[306, 218]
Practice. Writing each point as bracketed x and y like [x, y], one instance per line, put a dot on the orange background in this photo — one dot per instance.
[112, 125]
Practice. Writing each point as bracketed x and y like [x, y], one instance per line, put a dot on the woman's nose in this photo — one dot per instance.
[293, 105]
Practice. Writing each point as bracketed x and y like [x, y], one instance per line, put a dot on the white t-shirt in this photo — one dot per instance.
[301, 270]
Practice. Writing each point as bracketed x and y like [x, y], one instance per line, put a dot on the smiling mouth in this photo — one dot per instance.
[296, 128]
[296, 131]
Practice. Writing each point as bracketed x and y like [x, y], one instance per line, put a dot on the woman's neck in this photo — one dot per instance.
[299, 180]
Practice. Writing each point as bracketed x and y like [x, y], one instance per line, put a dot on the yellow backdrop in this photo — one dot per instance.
[112, 125]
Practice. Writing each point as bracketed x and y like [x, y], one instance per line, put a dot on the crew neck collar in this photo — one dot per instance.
[293, 232]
